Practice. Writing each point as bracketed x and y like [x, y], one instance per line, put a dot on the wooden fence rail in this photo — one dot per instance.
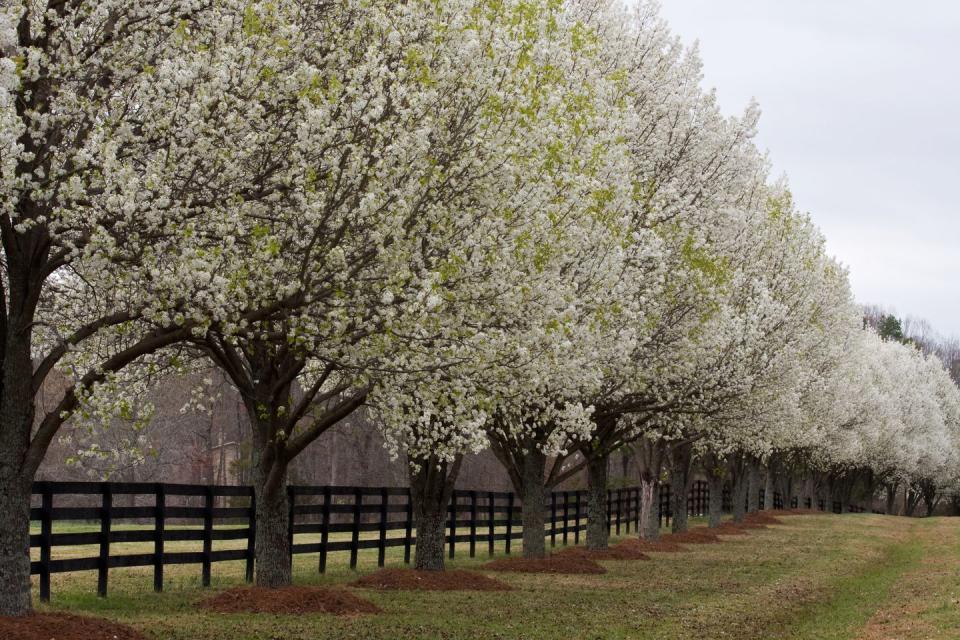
[359, 517]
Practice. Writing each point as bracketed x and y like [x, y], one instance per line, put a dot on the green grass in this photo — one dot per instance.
[832, 577]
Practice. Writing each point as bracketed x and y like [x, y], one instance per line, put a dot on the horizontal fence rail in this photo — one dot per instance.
[361, 518]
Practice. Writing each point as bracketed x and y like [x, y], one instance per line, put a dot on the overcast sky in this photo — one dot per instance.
[861, 110]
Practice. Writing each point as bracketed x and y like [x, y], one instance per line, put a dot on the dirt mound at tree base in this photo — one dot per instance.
[728, 529]
[762, 517]
[413, 580]
[801, 512]
[662, 545]
[557, 563]
[64, 626]
[626, 550]
[289, 600]
[694, 536]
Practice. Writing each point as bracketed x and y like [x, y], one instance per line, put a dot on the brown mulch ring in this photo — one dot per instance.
[762, 517]
[801, 512]
[64, 626]
[665, 544]
[556, 563]
[729, 529]
[626, 550]
[413, 580]
[694, 536]
[288, 600]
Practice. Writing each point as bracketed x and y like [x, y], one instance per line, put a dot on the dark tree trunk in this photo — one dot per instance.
[753, 486]
[769, 487]
[534, 504]
[891, 488]
[431, 487]
[14, 545]
[597, 533]
[738, 490]
[680, 477]
[650, 462]
[715, 483]
[17, 406]
[649, 509]
[714, 469]
[273, 544]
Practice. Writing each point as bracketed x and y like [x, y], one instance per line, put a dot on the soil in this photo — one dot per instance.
[728, 529]
[288, 600]
[64, 626]
[626, 550]
[694, 536]
[665, 544]
[556, 563]
[762, 517]
[413, 580]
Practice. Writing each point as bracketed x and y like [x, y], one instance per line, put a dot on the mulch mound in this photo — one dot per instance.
[800, 512]
[762, 517]
[287, 600]
[729, 529]
[626, 550]
[665, 544]
[694, 536]
[556, 563]
[64, 626]
[413, 580]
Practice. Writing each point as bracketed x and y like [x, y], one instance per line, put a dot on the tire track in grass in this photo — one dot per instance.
[925, 603]
[855, 598]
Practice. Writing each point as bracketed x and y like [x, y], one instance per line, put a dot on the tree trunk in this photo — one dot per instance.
[649, 509]
[14, 545]
[891, 488]
[769, 487]
[431, 487]
[597, 532]
[680, 458]
[17, 466]
[753, 486]
[739, 496]
[534, 504]
[715, 483]
[273, 568]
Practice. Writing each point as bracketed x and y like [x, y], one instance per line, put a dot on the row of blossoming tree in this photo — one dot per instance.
[510, 224]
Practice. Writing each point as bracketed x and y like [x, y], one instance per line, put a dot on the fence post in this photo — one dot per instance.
[207, 534]
[106, 514]
[619, 508]
[509, 522]
[291, 504]
[251, 536]
[553, 518]
[452, 513]
[576, 512]
[473, 523]
[325, 528]
[382, 544]
[408, 537]
[46, 533]
[355, 533]
[566, 515]
[629, 508]
[609, 511]
[491, 516]
[159, 527]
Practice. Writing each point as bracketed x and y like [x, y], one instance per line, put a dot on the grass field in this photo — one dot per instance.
[814, 577]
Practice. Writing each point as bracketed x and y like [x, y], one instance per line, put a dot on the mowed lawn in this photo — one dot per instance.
[816, 577]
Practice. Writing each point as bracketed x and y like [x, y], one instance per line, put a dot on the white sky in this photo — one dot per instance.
[861, 110]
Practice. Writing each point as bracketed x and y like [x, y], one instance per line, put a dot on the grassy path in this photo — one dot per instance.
[850, 577]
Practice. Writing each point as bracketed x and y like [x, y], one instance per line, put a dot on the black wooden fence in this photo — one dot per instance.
[361, 517]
